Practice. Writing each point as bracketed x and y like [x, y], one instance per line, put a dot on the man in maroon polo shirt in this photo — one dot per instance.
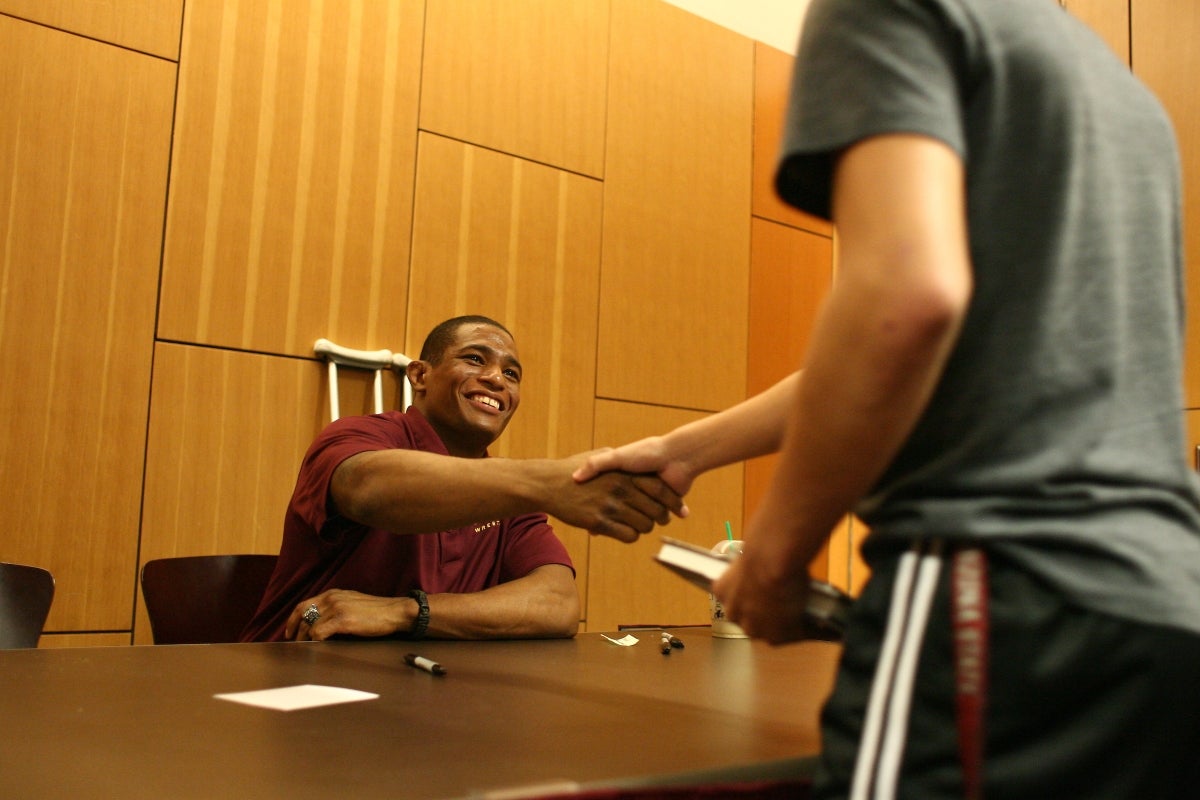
[401, 525]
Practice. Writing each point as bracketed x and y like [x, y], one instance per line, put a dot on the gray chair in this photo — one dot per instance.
[203, 599]
[25, 597]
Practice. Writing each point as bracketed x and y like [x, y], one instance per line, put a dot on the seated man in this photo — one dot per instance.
[399, 524]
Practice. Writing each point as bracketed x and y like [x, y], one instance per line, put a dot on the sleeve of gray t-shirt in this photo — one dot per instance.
[866, 68]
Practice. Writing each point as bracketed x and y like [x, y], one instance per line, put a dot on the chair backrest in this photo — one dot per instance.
[25, 597]
[203, 599]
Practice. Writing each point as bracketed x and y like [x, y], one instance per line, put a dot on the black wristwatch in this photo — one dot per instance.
[422, 624]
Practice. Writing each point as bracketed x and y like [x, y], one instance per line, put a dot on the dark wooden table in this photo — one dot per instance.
[136, 722]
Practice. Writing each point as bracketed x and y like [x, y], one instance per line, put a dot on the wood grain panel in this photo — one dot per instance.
[524, 78]
[676, 243]
[519, 242]
[58, 641]
[83, 170]
[227, 433]
[151, 26]
[847, 570]
[625, 585]
[833, 564]
[772, 79]
[1109, 18]
[1166, 57]
[791, 272]
[292, 175]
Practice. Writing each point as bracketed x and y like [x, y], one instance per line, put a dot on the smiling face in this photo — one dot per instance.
[471, 390]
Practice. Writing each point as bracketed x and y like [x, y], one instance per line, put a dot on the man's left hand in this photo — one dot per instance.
[349, 613]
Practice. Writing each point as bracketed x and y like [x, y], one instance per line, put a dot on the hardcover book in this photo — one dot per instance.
[694, 563]
[828, 606]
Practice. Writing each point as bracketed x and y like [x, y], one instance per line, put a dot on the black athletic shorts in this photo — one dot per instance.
[1078, 704]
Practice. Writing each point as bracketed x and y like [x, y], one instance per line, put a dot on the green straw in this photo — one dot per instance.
[729, 530]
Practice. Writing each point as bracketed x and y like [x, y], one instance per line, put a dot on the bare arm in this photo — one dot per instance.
[877, 353]
[409, 491]
[751, 428]
[543, 604]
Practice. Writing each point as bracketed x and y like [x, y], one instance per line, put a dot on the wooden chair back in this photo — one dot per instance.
[25, 597]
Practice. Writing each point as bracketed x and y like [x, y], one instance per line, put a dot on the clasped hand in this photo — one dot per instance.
[621, 505]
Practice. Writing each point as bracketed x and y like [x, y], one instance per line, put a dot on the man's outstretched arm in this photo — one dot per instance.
[409, 491]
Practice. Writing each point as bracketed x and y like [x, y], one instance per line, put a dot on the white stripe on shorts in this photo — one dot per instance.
[879, 753]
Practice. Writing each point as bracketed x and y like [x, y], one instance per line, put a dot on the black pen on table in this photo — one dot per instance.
[420, 662]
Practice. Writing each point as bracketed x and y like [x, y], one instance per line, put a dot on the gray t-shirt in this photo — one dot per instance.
[1056, 431]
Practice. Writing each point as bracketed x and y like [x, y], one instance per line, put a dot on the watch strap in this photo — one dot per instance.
[422, 622]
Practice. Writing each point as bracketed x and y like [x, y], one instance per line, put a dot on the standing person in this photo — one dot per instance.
[400, 524]
[993, 385]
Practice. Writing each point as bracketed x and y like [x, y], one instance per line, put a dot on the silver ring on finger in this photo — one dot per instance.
[311, 614]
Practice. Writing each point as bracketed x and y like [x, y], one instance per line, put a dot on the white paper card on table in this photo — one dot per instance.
[292, 698]
[624, 641]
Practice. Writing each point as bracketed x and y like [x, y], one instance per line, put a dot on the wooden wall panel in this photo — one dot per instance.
[524, 78]
[227, 433]
[772, 79]
[676, 240]
[791, 272]
[1109, 18]
[519, 242]
[83, 169]
[151, 26]
[1166, 57]
[834, 563]
[291, 188]
[626, 586]
[64, 640]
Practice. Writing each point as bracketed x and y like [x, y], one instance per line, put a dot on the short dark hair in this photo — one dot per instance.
[443, 335]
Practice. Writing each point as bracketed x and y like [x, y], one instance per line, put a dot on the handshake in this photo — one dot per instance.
[607, 493]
